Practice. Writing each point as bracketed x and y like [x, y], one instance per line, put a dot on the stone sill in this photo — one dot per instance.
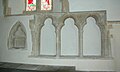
[71, 57]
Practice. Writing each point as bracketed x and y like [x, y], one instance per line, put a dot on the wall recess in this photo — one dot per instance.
[17, 36]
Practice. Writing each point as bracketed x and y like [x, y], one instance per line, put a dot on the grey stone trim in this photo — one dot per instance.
[35, 44]
[65, 6]
[7, 10]
[110, 23]
[80, 22]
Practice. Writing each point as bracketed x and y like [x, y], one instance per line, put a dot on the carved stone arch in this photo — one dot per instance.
[51, 17]
[17, 36]
[69, 28]
[83, 23]
[85, 20]
[88, 39]
[99, 23]
[96, 17]
[47, 34]
[102, 26]
[65, 16]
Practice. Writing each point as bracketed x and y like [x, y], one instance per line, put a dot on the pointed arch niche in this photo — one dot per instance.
[48, 38]
[91, 38]
[69, 38]
[17, 36]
